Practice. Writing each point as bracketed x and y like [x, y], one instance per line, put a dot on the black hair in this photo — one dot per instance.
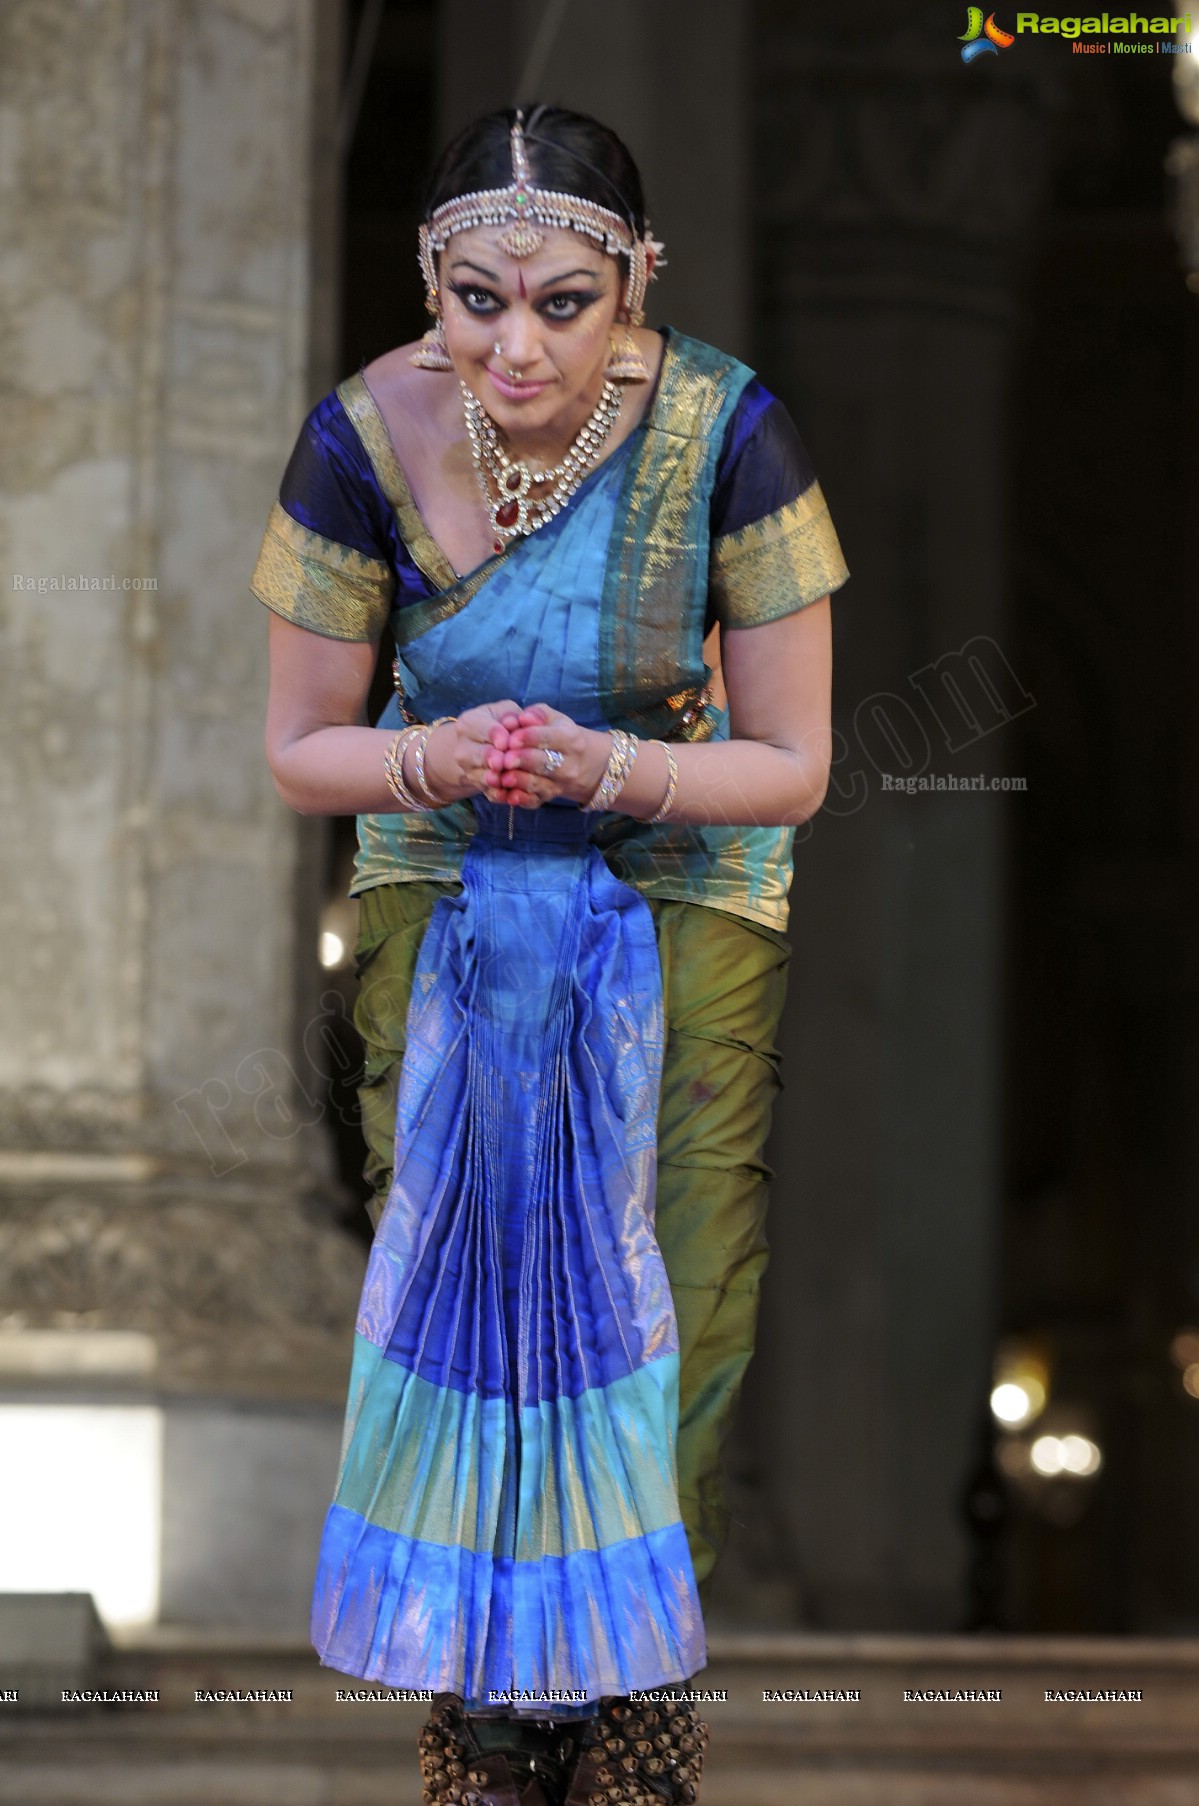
[570, 152]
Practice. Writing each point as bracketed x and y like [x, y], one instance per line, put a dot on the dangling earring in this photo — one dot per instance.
[432, 353]
[626, 364]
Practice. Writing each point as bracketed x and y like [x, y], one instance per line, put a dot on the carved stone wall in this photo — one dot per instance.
[157, 219]
[155, 216]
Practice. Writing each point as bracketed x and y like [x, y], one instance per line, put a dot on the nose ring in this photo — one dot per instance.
[515, 375]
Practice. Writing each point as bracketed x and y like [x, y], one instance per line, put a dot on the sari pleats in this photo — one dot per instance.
[506, 1518]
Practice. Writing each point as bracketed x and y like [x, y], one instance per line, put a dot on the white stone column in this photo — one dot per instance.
[163, 1164]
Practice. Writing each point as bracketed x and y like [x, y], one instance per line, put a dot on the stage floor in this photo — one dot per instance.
[869, 1721]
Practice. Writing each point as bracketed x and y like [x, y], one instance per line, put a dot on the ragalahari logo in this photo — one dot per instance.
[982, 38]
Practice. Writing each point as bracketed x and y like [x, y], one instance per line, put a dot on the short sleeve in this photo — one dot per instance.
[324, 563]
[774, 548]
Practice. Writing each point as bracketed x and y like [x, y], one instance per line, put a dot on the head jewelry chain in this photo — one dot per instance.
[524, 209]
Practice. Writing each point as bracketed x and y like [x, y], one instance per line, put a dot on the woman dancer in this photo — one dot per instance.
[574, 854]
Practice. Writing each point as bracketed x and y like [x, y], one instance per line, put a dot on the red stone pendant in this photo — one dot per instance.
[512, 480]
[507, 515]
[497, 545]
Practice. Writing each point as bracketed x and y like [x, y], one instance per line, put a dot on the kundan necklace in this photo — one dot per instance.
[506, 482]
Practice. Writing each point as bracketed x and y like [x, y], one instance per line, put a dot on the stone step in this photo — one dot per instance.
[880, 1748]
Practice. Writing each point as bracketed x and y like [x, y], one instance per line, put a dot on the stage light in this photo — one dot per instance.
[1184, 1349]
[332, 950]
[1046, 1455]
[1080, 1455]
[1190, 1379]
[1072, 1455]
[337, 932]
[1014, 1404]
[1020, 1384]
[81, 1504]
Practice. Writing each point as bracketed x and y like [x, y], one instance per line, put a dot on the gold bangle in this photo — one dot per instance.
[393, 768]
[672, 784]
[422, 786]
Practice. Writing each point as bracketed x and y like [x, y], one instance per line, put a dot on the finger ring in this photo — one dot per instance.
[553, 758]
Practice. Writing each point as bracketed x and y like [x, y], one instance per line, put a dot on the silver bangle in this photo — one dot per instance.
[393, 767]
[621, 759]
[422, 785]
[672, 784]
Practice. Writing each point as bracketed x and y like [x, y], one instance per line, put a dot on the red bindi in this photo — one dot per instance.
[521, 279]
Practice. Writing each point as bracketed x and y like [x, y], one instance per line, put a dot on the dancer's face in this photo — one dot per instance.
[551, 314]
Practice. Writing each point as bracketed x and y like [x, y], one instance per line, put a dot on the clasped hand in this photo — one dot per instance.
[499, 749]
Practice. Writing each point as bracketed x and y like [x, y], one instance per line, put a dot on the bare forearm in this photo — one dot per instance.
[340, 771]
[728, 782]
[335, 771]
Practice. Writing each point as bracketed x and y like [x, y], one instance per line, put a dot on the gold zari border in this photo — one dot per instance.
[651, 618]
[364, 416]
[775, 566]
[319, 584]
[452, 591]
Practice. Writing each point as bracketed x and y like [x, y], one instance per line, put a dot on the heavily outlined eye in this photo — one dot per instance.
[476, 300]
[566, 306]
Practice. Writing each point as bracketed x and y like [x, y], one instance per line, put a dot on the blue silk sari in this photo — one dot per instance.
[506, 1523]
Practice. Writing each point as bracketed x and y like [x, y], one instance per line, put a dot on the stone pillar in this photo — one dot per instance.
[164, 1170]
[895, 191]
